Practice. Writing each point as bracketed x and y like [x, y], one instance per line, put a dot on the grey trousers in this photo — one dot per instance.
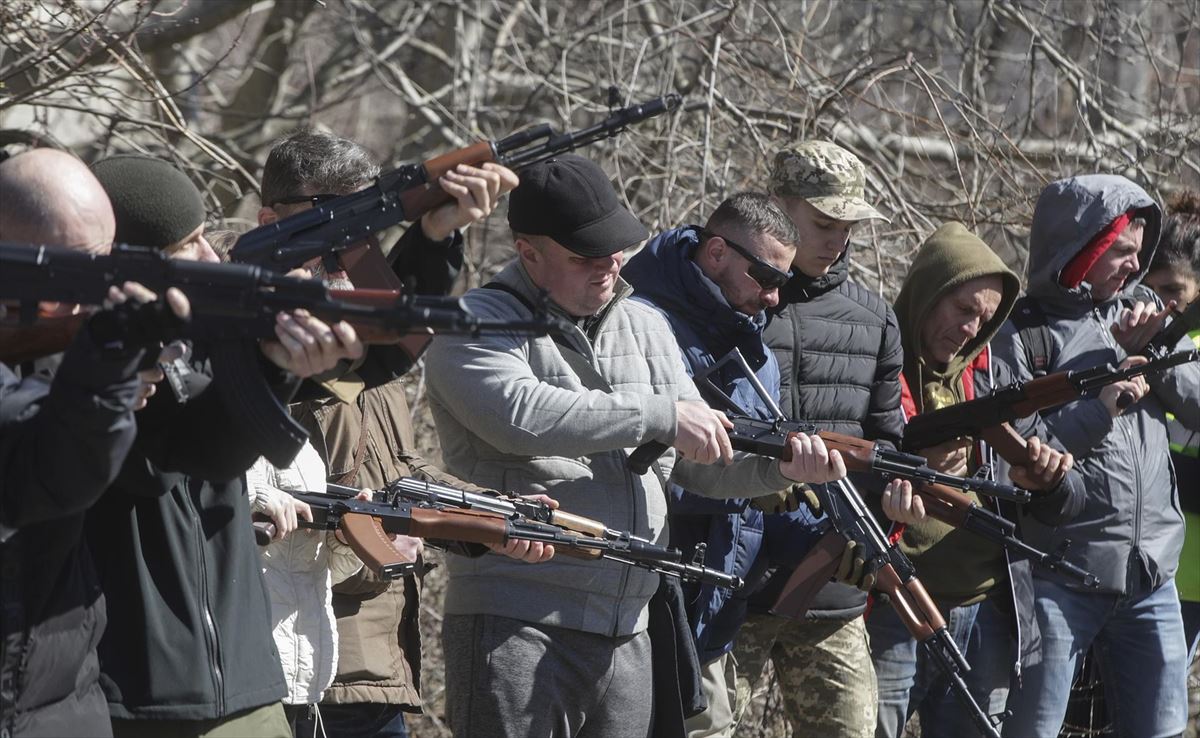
[512, 679]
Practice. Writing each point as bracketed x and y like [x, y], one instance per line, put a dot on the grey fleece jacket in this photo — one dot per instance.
[513, 416]
[1130, 531]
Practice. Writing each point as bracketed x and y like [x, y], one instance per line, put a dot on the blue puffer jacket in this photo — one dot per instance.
[664, 276]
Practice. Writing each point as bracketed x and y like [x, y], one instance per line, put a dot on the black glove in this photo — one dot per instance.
[851, 568]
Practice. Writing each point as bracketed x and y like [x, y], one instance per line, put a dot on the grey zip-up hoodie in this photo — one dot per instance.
[1130, 532]
[512, 415]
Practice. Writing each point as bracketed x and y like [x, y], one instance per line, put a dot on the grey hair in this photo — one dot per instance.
[754, 212]
[313, 162]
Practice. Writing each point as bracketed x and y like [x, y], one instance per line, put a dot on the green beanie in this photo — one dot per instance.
[155, 204]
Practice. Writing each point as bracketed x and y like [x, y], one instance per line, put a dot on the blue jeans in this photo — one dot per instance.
[911, 682]
[1139, 647]
[1191, 627]
[363, 720]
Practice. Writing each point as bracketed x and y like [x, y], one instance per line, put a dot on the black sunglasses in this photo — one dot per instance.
[767, 276]
[315, 200]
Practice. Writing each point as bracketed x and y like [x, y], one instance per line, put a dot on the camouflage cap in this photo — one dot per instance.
[825, 174]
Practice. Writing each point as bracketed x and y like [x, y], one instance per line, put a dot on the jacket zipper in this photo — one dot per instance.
[210, 627]
[590, 337]
[989, 457]
[1127, 434]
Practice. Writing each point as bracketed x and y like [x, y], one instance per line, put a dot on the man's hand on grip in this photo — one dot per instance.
[1045, 469]
[1120, 396]
[900, 504]
[700, 433]
[851, 568]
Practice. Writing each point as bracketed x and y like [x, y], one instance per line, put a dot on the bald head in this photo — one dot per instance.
[50, 197]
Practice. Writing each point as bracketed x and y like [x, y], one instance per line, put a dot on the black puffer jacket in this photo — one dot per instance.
[839, 353]
[189, 633]
[61, 444]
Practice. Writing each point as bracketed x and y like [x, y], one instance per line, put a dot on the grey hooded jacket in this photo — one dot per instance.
[513, 416]
[1130, 531]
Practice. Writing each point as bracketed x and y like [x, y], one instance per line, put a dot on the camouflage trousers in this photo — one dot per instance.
[824, 670]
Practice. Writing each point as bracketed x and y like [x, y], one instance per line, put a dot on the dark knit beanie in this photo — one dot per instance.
[155, 204]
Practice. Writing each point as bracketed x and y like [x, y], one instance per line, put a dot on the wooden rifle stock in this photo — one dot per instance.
[47, 336]
[812, 574]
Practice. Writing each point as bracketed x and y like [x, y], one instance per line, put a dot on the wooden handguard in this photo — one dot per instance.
[579, 524]
[420, 200]
[1045, 392]
[856, 452]
[911, 602]
[944, 503]
[467, 526]
[813, 573]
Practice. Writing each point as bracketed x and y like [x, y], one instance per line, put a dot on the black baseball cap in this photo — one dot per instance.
[570, 199]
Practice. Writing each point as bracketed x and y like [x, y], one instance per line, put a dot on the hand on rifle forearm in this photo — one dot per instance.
[900, 504]
[307, 346]
[700, 433]
[1045, 468]
[1137, 325]
[475, 191]
[1120, 396]
[531, 552]
[811, 461]
[949, 457]
[851, 569]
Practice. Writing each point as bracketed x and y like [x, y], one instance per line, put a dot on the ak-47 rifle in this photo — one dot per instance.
[625, 546]
[407, 193]
[954, 508]
[942, 501]
[366, 524]
[232, 304]
[770, 438]
[988, 417]
[848, 519]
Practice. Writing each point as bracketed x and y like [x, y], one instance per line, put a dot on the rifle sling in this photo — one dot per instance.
[360, 451]
[587, 374]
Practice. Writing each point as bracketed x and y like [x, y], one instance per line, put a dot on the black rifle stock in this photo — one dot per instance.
[407, 193]
[849, 520]
[233, 305]
[770, 438]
